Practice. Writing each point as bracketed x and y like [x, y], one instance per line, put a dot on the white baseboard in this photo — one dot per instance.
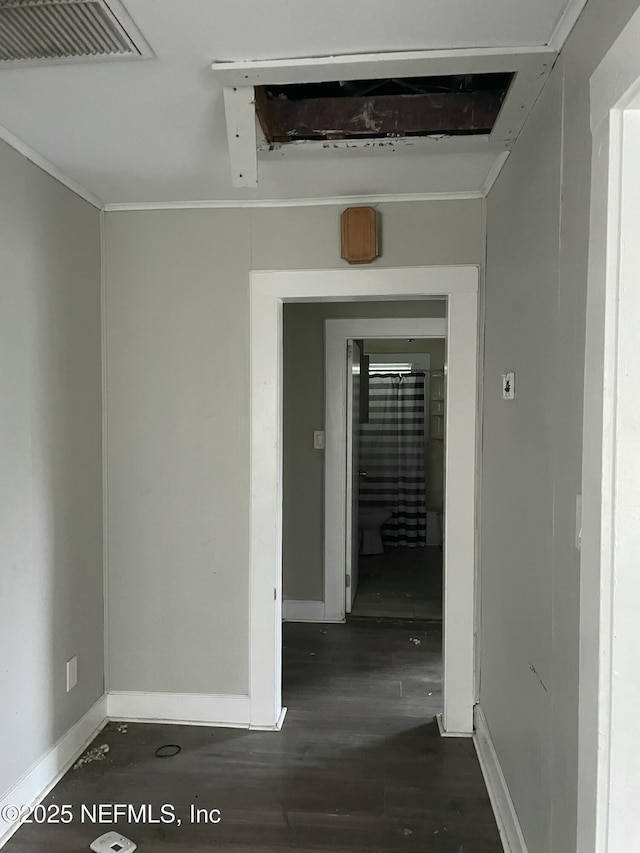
[275, 728]
[195, 709]
[184, 708]
[36, 783]
[503, 808]
[446, 733]
[303, 611]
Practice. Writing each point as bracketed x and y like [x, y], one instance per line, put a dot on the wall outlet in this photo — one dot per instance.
[509, 386]
[72, 673]
[318, 439]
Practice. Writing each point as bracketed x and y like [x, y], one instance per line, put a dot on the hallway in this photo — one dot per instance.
[358, 766]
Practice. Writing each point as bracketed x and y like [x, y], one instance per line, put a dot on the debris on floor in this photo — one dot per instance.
[168, 750]
[113, 841]
[123, 728]
[406, 831]
[95, 754]
[415, 641]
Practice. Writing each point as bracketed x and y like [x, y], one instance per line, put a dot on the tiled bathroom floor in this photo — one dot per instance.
[402, 583]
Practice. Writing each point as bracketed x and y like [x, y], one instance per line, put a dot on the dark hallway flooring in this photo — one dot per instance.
[358, 766]
[401, 583]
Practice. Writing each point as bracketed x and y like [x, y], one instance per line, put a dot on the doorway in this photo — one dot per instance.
[408, 522]
[459, 286]
[340, 562]
[399, 456]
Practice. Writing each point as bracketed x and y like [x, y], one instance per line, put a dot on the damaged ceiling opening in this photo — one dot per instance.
[452, 105]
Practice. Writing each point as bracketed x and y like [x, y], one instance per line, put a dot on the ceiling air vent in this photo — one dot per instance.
[47, 30]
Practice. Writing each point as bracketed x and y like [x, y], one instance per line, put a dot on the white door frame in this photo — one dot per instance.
[458, 558]
[352, 477]
[608, 752]
[268, 291]
[337, 333]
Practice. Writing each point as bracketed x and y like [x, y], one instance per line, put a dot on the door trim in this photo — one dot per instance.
[459, 550]
[336, 335]
[268, 291]
[608, 770]
[351, 501]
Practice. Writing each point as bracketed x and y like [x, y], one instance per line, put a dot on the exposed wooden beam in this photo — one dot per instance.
[285, 119]
[265, 115]
[531, 67]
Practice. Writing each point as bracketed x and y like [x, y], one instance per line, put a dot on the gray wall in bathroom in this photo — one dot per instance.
[303, 467]
[434, 346]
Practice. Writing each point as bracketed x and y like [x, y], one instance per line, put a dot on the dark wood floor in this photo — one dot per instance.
[402, 583]
[358, 766]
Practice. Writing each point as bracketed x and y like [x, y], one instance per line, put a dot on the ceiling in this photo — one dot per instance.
[154, 131]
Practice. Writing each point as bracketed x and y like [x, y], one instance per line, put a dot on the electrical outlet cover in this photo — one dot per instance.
[113, 842]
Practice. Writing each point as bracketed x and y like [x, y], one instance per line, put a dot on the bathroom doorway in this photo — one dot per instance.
[399, 496]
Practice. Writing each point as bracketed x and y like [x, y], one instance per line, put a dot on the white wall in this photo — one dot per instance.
[177, 321]
[536, 277]
[51, 605]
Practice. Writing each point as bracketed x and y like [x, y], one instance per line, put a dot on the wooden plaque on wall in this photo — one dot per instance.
[360, 243]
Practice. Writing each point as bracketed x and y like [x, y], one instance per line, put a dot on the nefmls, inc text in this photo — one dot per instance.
[109, 813]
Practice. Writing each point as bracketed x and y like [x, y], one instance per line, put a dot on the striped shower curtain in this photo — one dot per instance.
[392, 455]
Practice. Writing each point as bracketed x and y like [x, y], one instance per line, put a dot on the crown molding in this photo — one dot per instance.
[291, 202]
[566, 22]
[211, 204]
[47, 166]
[494, 171]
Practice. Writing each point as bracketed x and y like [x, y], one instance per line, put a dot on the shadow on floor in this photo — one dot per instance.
[401, 583]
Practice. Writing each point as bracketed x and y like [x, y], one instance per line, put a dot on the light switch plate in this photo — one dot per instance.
[318, 439]
[113, 842]
[509, 386]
